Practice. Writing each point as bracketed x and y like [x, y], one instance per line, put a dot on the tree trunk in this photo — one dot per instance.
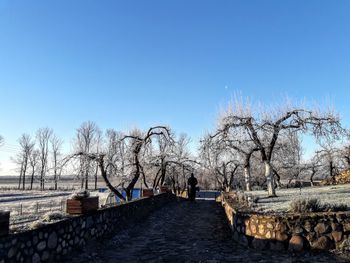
[55, 181]
[128, 194]
[96, 177]
[247, 178]
[55, 171]
[20, 180]
[86, 181]
[269, 179]
[108, 183]
[32, 180]
[331, 169]
[24, 175]
[312, 178]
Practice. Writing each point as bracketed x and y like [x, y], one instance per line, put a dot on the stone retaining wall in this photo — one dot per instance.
[296, 232]
[50, 242]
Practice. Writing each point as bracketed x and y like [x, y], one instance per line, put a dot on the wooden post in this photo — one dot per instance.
[4, 223]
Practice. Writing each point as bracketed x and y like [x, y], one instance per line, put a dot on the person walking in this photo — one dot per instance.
[191, 187]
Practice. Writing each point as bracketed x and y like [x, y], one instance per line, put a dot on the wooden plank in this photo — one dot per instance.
[81, 206]
[147, 192]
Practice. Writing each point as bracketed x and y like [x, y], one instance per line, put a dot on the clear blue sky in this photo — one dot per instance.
[140, 63]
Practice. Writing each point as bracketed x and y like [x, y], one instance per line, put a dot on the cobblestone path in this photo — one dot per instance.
[182, 232]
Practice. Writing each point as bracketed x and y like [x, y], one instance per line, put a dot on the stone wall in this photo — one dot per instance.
[296, 232]
[51, 241]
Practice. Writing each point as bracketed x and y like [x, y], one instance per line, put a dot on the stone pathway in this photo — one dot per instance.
[183, 232]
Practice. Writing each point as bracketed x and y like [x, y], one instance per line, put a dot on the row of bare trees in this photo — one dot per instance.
[33, 157]
[148, 158]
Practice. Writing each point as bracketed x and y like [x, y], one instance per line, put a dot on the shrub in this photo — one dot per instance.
[52, 216]
[305, 205]
[314, 205]
[36, 224]
[80, 195]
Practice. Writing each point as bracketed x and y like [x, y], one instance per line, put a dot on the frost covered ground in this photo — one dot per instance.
[28, 206]
[334, 194]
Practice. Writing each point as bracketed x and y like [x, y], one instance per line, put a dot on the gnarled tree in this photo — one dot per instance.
[265, 127]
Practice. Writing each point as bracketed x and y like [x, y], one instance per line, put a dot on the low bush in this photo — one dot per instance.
[80, 195]
[52, 216]
[314, 205]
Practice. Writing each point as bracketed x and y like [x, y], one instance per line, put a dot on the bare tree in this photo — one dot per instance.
[329, 156]
[221, 160]
[138, 142]
[116, 153]
[33, 162]
[22, 159]
[266, 126]
[98, 147]
[314, 166]
[287, 158]
[162, 159]
[236, 140]
[56, 145]
[85, 141]
[43, 137]
[181, 163]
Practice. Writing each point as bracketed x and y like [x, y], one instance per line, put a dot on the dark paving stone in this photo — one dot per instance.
[183, 232]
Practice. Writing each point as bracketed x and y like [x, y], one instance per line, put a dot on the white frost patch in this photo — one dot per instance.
[334, 194]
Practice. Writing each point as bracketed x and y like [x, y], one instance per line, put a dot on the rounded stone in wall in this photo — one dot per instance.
[52, 241]
[296, 243]
[298, 230]
[322, 243]
[321, 228]
[35, 240]
[11, 252]
[281, 227]
[36, 258]
[248, 232]
[308, 226]
[337, 236]
[346, 226]
[311, 237]
[268, 234]
[41, 245]
[280, 236]
[261, 228]
[253, 229]
[59, 249]
[269, 225]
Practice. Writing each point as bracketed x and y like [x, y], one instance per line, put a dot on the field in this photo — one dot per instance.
[28, 206]
[335, 194]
